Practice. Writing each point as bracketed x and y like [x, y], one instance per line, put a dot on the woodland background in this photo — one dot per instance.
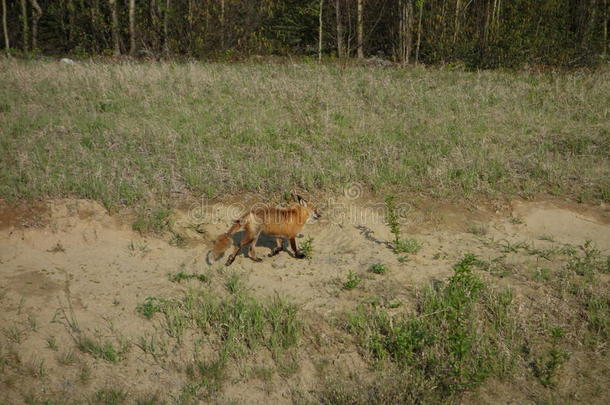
[477, 33]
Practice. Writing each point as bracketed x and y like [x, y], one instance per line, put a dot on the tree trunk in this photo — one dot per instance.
[132, 27]
[456, 23]
[37, 13]
[405, 33]
[320, 31]
[340, 45]
[24, 22]
[605, 53]
[360, 29]
[419, 28]
[114, 27]
[166, 27]
[7, 44]
[222, 24]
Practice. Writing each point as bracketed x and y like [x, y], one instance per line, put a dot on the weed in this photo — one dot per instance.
[444, 347]
[353, 280]
[408, 245]
[52, 343]
[516, 220]
[403, 259]
[378, 268]
[68, 357]
[178, 277]
[177, 240]
[105, 350]
[234, 283]
[150, 306]
[109, 396]
[306, 247]
[138, 247]
[152, 221]
[546, 367]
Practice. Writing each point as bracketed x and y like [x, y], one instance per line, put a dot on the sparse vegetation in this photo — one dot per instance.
[353, 280]
[306, 247]
[178, 277]
[378, 268]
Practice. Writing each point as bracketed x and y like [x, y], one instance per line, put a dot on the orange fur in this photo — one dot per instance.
[276, 221]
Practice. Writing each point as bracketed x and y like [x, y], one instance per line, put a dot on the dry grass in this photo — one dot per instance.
[127, 133]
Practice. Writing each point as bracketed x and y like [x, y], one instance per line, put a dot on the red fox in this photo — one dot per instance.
[274, 221]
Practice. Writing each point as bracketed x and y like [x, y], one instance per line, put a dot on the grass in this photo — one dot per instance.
[129, 133]
[180, 276]
[353, 280]
[306, 248]
[378, 268]
[232, 326]
[460, 336]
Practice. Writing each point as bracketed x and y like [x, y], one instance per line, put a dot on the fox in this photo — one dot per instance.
[274, 221]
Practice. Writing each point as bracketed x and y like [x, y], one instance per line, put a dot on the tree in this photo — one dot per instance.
[132, 27]
[360, 28]
[420, 5]
[320, 31]
[7, 44]
[339, 19]
[114, 28]
[405, 32]
[166, 27]
[36, 14]
[24, 22]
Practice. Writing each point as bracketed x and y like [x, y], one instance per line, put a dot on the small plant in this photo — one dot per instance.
[546, 368]
[68, 357]
[103, 350]
[150, 306]
[109, 396]
[516, 220]
[178, 240]
[391, 216]
[52, 343]
[178, 277]
[478, 229]
[409, 245]
[234, 283]
[307, 248]
[403, 259]
[353, 280]
[378, 268]
[138, 247]
[152, 221]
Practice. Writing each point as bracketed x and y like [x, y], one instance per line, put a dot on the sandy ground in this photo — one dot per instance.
[64, 254]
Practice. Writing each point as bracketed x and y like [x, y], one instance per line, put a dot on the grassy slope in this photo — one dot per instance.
[128, 133]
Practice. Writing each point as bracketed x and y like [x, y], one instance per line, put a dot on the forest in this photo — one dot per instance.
[476, 33]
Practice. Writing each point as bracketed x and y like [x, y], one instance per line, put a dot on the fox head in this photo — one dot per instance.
[312, 211]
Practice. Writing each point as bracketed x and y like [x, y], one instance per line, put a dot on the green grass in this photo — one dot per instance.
[460, 336]
[353, 281]
[378, 268]
[232, 326]
[127, 133]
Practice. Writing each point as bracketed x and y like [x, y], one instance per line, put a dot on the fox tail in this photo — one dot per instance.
[222, 243]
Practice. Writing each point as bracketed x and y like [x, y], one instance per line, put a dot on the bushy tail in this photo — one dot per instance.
[222, 243]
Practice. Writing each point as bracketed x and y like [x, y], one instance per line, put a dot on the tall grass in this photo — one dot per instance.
[126, 133]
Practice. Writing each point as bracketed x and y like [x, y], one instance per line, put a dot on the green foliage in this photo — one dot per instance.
[178, 277]
[306, 248]
[451, 344]
[152, 221]
[353, 280]
[378, 268]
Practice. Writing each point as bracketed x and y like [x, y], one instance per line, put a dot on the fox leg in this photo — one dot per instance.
[278, 247]
[248, 237]
[297, 254]
[252, 252]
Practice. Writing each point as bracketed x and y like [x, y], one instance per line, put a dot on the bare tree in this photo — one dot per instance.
[24, 22]
[405, 34]
[320, 31]
[166, 27]
[420, 4]
[132, 27]
[114, 27]
[360, 29]
[605, 53]
[36, 14]
[340, 44]
[7, 44]
[456, 22]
